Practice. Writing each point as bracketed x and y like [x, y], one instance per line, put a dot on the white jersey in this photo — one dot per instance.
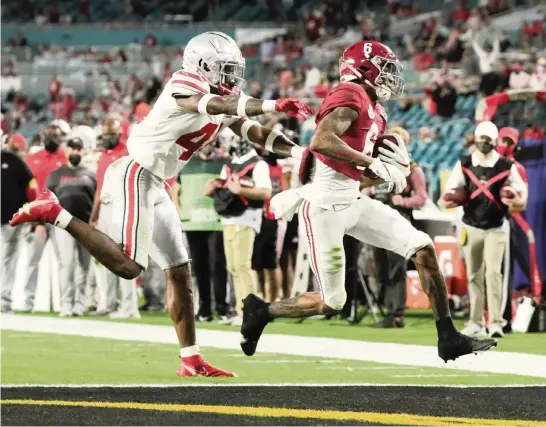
[165, 141]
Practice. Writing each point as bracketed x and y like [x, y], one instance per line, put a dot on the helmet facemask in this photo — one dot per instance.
[389, 81]
[226, 76]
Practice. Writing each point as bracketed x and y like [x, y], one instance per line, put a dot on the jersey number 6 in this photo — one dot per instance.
[193, 141]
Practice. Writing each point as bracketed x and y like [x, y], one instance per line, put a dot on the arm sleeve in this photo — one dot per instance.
[516, 182]
[261, 176]
[345, 95]
[417, 182]
[456, 179]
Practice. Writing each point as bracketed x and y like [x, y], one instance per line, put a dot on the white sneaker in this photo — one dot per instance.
[237, 320]
[124, 315]
[495, 331]
[226, 320]
[65, 313]
[473, 330]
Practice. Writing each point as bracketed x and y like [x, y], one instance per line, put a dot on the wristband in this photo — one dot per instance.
[241, 105]
[202, 104]
[296, 152]
[268, 106]
[270, 138]
[246, 127]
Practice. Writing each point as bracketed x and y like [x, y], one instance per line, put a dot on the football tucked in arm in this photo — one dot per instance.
[507, 192]
[457, 196]
[375, 153]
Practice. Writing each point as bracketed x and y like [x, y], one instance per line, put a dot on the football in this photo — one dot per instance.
[456, 195]
[507, 192]
[380, 142]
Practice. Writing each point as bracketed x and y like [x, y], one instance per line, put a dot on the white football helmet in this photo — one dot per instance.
[217, 57]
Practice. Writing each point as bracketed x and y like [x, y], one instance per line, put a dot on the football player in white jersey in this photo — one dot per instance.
[195, 104]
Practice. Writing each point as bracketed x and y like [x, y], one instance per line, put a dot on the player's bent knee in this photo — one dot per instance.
[421, 244]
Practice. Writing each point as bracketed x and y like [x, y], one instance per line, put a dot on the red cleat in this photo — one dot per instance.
[45, 208]
[195, 365]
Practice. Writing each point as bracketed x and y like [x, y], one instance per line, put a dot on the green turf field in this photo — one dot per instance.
[32, 358]
[419, 329]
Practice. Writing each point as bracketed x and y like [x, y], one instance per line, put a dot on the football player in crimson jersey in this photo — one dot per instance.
[330, 204]
[195, 103]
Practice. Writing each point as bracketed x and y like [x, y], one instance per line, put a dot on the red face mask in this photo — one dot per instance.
[506, 150]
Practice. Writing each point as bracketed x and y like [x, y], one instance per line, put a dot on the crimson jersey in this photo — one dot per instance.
[362, 134]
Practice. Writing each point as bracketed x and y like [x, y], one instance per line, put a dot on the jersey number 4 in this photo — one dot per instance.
[193, 141]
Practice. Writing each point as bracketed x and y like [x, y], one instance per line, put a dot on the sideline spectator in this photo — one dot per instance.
[486, 60]
[445, 97]
[518, 79]
[18, 187]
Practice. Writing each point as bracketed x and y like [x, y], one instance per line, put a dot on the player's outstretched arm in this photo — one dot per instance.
[272, 140]
[243, 105]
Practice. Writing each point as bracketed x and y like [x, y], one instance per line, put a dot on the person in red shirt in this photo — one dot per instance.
[54, 88]
[113, 149]
[64, 107]
[41, 164]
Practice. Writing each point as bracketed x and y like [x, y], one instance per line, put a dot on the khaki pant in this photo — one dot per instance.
[483, 252]
[238, 246]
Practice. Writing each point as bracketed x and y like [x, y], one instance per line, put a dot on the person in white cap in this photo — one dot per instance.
[493, 188]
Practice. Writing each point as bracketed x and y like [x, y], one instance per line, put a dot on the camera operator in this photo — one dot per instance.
[391, 268]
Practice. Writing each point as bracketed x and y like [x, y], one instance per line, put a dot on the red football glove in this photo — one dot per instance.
[293, 108]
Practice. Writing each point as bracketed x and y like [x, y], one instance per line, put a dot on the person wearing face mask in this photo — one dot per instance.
[75, 186]
[113, 148]
[41, 164]
[482, 175]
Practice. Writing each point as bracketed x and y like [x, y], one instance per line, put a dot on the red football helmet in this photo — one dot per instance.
[374, 63]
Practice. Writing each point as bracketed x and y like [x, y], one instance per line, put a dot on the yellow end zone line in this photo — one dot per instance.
[375, 417]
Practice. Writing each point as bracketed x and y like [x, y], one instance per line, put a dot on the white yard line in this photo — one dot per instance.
[311, 385]
[400, 354]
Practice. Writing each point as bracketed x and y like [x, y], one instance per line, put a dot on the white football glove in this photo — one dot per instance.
[389, 173]
[399, 157]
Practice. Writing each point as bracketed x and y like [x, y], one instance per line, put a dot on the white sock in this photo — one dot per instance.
[189, 351]
[63, 219]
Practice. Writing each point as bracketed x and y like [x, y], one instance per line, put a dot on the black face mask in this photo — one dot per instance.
[74, 159]
[110, 142]
[484, 146]
[51, 144]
